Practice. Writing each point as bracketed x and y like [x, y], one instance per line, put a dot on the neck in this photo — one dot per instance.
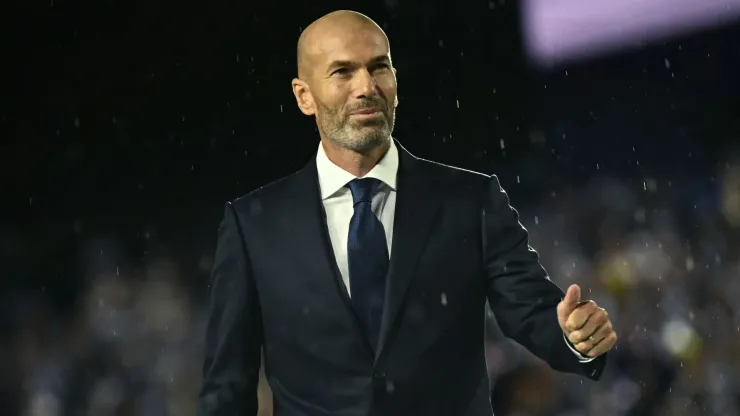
[358, 164]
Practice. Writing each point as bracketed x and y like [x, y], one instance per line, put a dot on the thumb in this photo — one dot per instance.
[570, 302]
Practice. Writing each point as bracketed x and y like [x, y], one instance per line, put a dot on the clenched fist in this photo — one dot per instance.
[585, 324]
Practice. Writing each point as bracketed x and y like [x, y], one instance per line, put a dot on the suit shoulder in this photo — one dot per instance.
[272, 191]
[454, 173]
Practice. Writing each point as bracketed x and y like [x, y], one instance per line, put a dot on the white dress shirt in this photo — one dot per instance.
[339, 207]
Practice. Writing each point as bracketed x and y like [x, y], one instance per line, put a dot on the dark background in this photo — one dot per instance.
[126, 125]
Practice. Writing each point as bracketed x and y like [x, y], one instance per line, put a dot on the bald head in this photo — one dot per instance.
[346, 80]
[318, 36]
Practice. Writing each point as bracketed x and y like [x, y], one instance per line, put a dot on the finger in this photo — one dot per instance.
[569, 303]
[587, 344]
[604, 345]
[593, 323]
[572, 296]
[580, 315]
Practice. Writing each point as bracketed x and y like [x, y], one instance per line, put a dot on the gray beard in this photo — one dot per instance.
[360, 138]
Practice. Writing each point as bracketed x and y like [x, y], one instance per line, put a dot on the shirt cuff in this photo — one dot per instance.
[581, 358]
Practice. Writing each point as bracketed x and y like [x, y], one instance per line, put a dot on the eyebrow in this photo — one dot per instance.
[376, 60]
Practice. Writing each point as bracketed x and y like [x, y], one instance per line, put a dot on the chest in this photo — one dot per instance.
[300, 266]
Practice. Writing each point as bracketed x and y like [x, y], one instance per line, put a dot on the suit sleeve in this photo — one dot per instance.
[520, 293]
[233, 338]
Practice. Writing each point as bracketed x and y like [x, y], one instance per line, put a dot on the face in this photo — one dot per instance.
[351, 89]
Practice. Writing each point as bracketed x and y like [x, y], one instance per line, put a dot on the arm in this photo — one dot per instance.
[234, 331]
[520, 293]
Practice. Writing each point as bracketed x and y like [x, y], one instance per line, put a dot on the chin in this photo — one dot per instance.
[367, 143]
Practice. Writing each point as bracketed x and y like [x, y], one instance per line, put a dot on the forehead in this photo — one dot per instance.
[358, 45]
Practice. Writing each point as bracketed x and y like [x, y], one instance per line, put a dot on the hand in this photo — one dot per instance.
[585, 324]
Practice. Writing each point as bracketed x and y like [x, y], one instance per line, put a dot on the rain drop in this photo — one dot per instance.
[389, 387]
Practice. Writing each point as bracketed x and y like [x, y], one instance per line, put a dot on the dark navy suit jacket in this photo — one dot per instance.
[456, 243]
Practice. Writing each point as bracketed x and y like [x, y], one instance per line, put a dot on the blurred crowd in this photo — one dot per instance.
[662, 257]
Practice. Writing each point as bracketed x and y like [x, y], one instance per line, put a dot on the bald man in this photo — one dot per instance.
[364, 276]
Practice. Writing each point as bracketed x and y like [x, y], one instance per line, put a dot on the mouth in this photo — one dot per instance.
[366, 113]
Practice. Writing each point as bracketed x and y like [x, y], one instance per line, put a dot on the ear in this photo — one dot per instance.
[303, 97]
[395, 76]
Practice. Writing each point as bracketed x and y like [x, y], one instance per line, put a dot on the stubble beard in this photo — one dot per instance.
[357, 136]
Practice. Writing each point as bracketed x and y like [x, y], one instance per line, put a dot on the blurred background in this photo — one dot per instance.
[614, 125]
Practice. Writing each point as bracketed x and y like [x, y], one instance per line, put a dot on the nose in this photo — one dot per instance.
[365, 84]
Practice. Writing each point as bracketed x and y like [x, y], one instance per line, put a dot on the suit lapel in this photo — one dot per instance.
[306, 221]
[417, 202]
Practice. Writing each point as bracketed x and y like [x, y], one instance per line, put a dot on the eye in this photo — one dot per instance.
[341, 72]
[381, 66]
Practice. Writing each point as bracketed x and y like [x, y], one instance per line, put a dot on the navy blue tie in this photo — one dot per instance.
[367, 252]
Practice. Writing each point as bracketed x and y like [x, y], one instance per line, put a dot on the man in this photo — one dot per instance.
[363, 277]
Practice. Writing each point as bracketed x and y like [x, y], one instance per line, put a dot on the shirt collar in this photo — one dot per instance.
[332, 178]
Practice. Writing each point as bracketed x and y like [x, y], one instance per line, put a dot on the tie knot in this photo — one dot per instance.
[363, 189]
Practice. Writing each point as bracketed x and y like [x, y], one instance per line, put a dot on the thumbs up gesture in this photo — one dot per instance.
[585, 324]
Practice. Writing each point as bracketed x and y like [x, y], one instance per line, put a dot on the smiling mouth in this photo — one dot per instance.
[366, 112]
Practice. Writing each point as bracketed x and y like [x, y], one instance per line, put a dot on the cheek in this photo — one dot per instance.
[331, 112]
[389, 90]
[335, 103]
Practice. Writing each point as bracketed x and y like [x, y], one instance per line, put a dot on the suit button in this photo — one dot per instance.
[379, 376]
